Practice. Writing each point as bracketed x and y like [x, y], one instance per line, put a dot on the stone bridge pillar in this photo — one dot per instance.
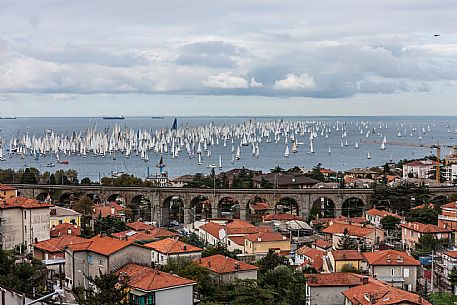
[156, 206]
[244, 208]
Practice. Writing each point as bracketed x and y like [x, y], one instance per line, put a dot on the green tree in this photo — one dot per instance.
[427, 215]
[346, 242]
[442, 298]
[453, 279]
[389, 222]
[107, 290]
[349, 268]
[426, 244]
[278, 169]
[288, 284]
[86, 181]
[28, 177]
[84, 206]
[271, 261]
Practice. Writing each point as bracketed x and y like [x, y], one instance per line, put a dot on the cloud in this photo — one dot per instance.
[217, 54]
[226, 80]
[255, 84]
[295, 82]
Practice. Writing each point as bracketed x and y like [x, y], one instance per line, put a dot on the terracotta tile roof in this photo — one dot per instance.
[333, 279]
[260, 206]
[61, 211]
[353, 230]
[390, 258]
[223, 264]
[238, 223]
[24, 203]
[239, 240]
[110, 209]
[65, 229]
[421, 206]
[377, 293]
[450, 205]
[421, 163]
[148, 279]
[315, 256]
[212, 228]
[247, 230]
[131, 235]
[424, 228]
[102, 245]
[5, 187]
[380, 213]
[269, 217]
[140, 226]
[58, 244]
[172, 246]
[322, 244]
[452, 254]
[345, 255]
[266, 237]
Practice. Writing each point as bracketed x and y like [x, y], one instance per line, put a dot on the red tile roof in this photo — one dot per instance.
[172, 246]
[102, 245]
[58, 244]
[65, 229]
[266, 237]
[322, 244]
[239, 240]
[105, 210]
[347, 255]
[377, 293]
[212, 228]
[238, 223]
[140, 226]
[24, 203]
[381, 213]
[333, 279]
[424, 228]
[450, 205]
[269, 217]
[353, 230]
[390, 258]
[260, 206]
[452, 254]
[5, 187]
[155, 233]
[149, 279]
[314, 255]
[223, 264]
[421, 206]
[421, 163]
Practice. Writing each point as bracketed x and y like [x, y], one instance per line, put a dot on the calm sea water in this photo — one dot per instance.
[442, 129]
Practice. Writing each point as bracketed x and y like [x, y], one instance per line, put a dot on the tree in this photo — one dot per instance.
[426, 244]
[346, 242]
[28, 177]
[315, 173]
[278, 169]
[288, 284]
[84, 206]
[453, 279]
[271, 261]
[86, 181]
[349, 268]
[106, 290]
[389, 222]
[442, 298]
[426, 215]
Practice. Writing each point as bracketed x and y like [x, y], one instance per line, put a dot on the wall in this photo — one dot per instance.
[161, 259]
[230, 277]
[398, 272]
[327, 295]
[264, 247]
[8, 297]
[181, 295]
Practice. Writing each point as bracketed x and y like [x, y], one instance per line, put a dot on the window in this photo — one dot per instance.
[100, 262]
[25, 214]
[142, 300]
[406, 272]
[73, 221]
[392, 272]
[90, 259]
[60, 221]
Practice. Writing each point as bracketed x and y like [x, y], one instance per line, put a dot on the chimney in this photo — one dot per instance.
[364, 280]
[284, 237]
[53, 212]
[400, 259]
[259, 238]
[388, 258]
[209, 264]
[237, 266]
[112, 210]
[185, 247]
[69, 231]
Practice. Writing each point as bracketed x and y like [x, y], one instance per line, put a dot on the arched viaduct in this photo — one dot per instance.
[160, 198]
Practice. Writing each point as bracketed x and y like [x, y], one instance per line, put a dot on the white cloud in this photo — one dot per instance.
[226, 80]
[295, 82]
[255, 84]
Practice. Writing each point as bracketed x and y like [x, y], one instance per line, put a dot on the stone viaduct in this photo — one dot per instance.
[160, 197]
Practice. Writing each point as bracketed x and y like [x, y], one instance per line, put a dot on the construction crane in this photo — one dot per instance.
[433, 146]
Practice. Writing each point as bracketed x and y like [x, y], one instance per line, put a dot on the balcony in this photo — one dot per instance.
[441, 217]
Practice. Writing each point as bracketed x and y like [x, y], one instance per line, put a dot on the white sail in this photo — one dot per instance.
[286, 153]
[220, 162]
[294, 147]
[368, 155]
[238, 153]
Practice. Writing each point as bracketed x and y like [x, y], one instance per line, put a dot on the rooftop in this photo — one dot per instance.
[344, 255]
[381, 213]
[223, 264]
[353, 230]
[333, 279]
[131, 235]
[266, 237]
[58, 244]
[424, 228]
[389, 258]
[65, 229]
[172, 246]
[103, 245]
[23, 203]
[149, 279]
[5, 187]
[61, 211]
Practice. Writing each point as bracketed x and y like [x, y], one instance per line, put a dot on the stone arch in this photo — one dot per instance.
[94, 197]
[113, 197]
[43, 196]
[324, 207]
[287, 205]
[353, 207]
[69, 197]
[139, 208]
[257, 206]
[200, 208]
[229, 207]
[173, 210]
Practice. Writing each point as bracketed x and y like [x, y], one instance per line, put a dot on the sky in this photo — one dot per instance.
[238, 57]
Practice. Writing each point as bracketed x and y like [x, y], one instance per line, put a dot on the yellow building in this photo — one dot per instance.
[61, 215]
[340, 258]
[260, 244]
[7, 191]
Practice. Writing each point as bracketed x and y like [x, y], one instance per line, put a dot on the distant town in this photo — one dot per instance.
[381, 235]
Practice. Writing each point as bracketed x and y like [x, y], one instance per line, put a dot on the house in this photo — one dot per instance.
[168, 248]
[322, 245]
[65, 229]
[283, 180]
[182, 181]
[144, 236]
[327, 288]
[364, 235]
[257, 210]
[211, 232]
[443, 266]
[362, 173]
[147, 286]
[309, 257]
[235, 243]
[111, 209]
[100, 254]
[448, 217]
[7, 191]
[376, 293]
[280, 217]
[260, 244]
[225, 270]
[412, 231]
[421, 169]
[374, 216]
[60, 215]
[340, 258]
[394, 267]
[24, 221]
[54, 248]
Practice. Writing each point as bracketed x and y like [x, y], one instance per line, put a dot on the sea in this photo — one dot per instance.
[440, 130]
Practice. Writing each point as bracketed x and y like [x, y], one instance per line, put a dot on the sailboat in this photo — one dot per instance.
[383, 146]
[238, 153]
[220, 162]
[175, 124]
[368, 155]
[286, 153]
[199, 159]
[329, 150]
[356, 146]
[294, 148]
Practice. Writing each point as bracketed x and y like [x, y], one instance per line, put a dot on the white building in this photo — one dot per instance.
[23, 221]
[421, 169]
[169, 248]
